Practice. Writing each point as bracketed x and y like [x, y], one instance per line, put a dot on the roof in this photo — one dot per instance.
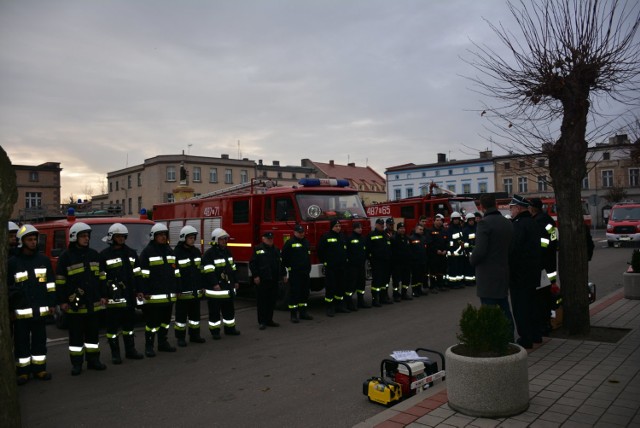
[355, 174]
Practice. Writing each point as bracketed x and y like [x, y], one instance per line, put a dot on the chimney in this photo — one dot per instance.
[353, 164]
[260, 162]
[487, 154]
[276, 163]
[618, 139]
[442, 157]
[224, 156]
[331, 162]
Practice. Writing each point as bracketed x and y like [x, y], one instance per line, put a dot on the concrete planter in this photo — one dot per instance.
[488, 387]
[631, 284]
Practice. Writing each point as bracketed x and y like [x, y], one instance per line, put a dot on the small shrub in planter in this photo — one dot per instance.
[484, 332]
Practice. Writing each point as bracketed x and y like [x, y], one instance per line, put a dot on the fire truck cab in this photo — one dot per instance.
[247, 212]
[409, 210]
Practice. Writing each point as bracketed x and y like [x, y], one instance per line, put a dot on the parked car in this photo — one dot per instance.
[624, 224]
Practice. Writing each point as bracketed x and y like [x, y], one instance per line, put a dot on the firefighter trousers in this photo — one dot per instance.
[30, 345]
[356, 279]
[299, 285]
[120, 318]
[334, 283]
[157, 317]
[266, 297]
[187, 315]
[83, 337]
[224, 306]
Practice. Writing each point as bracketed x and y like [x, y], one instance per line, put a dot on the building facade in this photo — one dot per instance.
[463, 177]
[284, 175]
[38, 191]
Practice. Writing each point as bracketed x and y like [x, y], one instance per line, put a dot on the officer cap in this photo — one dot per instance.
[268, 235]
[298, 228]
[390, 220]
[536, 203]
[379, 221]
[400, 225]
[519, 200]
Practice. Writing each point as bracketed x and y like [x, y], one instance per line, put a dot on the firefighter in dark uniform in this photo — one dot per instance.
[455, 252]
[389, 230]
[401, 264]
[122, 267]
[332, 252]
[379, 255]
[469, 238]
[418, 261]
[81, 290]
[220, 285]
[437, 245]
[31, 284]
[548, 248]
[158, 286]
[356, 270]
[296, 259]
[266, 271]
[13, 240]
[191, 287]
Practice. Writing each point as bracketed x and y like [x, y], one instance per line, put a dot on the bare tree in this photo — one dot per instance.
[10, 414]
[569, 63]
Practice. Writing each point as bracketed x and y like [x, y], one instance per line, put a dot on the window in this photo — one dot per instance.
[451, 187]
[110, 186]
[507, 185]
[171, 173]
[284, 210]
[634, 177]
[397, 177]
[244, 176]
[196, 174]
[607, 178]
[507, 165]
[213, 175]
[523, 186]
[450, 172]
[266, 210]
[482, 187]
[409, 192]
[33, 176]
[139, 179]
[130, 206]
[117, 185]
[33, 199]
[481, 169]
[437, 173]
[408, 175]
[279, 174]
[542, 183]
[128, 182]
[228, 176]
[264, 173]
[424, 174]
[521, 164]
[294, 175]
[139, 204]
[168, 197]
[541, 161]
[465, 170]
[585, 183]
[606, 156]
[397, 194]
[466, 188]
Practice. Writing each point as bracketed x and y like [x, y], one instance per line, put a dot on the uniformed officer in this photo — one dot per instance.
[158, 287]
[121, 265]
[332, 252]
[437, 244]
[356, 270]
[31, 284]
[379, 254]
[191, 287]
[81, 293]
[266, 271]
[418, 259]
[455, 252]
[220, 285]
[296, 259]
[401, 264]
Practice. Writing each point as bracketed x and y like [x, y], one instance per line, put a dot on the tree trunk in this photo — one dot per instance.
[10, 414]
[567, 168]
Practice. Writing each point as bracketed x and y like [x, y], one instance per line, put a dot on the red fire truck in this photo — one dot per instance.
[409, 210]
[246, 211]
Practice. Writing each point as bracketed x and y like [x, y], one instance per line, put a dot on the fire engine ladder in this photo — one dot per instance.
[239, 188]
[433, 185]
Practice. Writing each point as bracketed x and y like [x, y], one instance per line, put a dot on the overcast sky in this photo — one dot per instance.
[104, 84]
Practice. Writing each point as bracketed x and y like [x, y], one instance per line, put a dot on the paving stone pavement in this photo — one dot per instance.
[572, 383]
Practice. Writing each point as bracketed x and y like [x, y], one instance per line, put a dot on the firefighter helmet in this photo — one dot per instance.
[470, 216]
[77, 229]
[115, 229]
[157, 228]
[25, 230]
[186, 231]
[455, 214]
[217, 234]
[13, 227]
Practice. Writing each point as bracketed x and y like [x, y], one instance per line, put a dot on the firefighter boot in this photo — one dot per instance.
[180, 338]
[407, 294]
[231, 331]
[149, 339]
[375, 299]
[215, 334]
[341, 307]
[130, 351]
[350, 305]
[194, 336]
[114, 344]
[294, 316]
[94, 363]
[163, 343]
[384, 297]
[304, 315]
[362, 303]
[330, 311]
[396, 296]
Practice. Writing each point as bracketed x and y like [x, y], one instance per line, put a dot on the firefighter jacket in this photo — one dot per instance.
[79, 281]
[332, 250]
[417, 249]
[469, 238]
[456, 240]
[437, 239]
[219, 269]
[400, 251]
[160, 274]
[31, 284]
[122, 268]
[356, 250]
[378, 246]
[266, 263]
[189, 259]
[296, 255]
[548, 243]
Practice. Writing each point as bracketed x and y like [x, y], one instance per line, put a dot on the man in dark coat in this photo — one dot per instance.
[490, 257]
[524, 271]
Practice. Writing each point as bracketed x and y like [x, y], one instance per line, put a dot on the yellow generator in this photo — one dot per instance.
[382, 390]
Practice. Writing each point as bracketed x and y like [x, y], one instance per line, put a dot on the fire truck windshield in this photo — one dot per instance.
[319, 206]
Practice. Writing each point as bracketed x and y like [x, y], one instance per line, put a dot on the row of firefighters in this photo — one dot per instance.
[403, 264]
